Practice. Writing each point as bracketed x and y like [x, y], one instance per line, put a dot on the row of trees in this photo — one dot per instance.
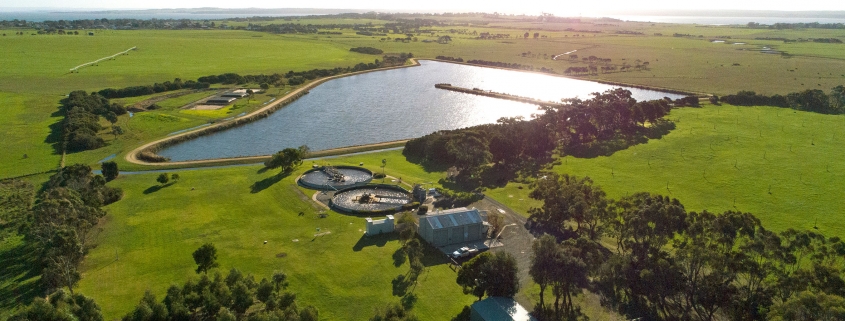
[233, 297]
[797, 25]
[295, 78]
[58, 226]
[500, 64]
[670, 264]
[82, 119]
[450, 58]
[514, 143]
[812, 100]
[367, 50]
[135, 91]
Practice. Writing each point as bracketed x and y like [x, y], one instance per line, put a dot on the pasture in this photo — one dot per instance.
[784, 166]
[36, 74]
[147, 239]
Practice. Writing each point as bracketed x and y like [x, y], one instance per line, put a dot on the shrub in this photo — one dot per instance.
[367, 50]
[151, 157]
[378, 175]
[410, 206]
[422, 210]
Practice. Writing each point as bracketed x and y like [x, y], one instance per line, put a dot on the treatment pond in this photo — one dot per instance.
[390, 105]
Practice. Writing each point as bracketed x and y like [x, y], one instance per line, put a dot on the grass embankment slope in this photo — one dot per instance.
[148, 237]
[784, 166]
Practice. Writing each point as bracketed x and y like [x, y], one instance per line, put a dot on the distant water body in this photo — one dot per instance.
[390, 105]
[39, 16]
[54, 15]
[727, 20]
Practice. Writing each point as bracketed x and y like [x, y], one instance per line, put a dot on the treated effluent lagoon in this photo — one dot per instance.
[390, 105]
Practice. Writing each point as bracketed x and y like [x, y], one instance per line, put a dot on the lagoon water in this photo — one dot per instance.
[390, 105]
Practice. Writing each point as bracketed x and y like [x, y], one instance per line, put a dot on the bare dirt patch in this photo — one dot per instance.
[208, 107]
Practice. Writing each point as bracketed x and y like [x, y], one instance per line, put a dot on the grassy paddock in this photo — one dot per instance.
[779, 164]
[151, 234]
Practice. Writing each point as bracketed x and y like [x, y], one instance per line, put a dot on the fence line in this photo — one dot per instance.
[101, 59]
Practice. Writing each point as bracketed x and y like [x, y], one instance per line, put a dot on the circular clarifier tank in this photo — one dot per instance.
[335, 177]
[371, 199]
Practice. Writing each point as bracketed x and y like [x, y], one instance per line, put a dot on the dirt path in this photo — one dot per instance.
[132, 156]
[515, 238]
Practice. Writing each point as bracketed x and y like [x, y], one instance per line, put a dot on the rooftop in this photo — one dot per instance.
[453, 217]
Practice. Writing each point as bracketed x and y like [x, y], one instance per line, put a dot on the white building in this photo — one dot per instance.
[376, 227]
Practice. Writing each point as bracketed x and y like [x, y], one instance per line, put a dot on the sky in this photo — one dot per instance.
[557, 7]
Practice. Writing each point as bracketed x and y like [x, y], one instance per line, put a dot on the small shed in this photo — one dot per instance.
[452, 226]
[220, 101]
[376, 227]
[499, 309]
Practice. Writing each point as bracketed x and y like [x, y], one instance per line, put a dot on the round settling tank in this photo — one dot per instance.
[332, 178]
[371, 199]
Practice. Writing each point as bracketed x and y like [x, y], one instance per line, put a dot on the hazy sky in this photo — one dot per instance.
[559, 7]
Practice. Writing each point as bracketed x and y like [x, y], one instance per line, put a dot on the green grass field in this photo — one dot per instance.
[779, 164]
[783, 166]
[730, 167]
[36, 74]
[151, 234]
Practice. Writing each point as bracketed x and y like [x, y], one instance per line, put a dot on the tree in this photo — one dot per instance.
[469, 150]
[111, 117]
[64, 254]
[497, 223]
[110, 170]
[116, 130]
[250, 93]
[567, 198]
[163, 178]
[544, 251]
[174, 177]
[265, 86]
[60, 306]
[393, 312]
[837, 99]
[205, 257]
[809, 306]
[409, 223]
[288, 158]
[490, 274]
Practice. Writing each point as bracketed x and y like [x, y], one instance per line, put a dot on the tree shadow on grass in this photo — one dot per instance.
[620, 142]
[156, 188]
[375, 240]
[433, 256]
[20, 267]
[56, 130]
[399, 257]
[401, 283]
[428, 166]
[267, 182]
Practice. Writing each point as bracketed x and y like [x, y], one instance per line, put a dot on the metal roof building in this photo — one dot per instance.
[457, 225]
[220, 101]
[499, 309]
